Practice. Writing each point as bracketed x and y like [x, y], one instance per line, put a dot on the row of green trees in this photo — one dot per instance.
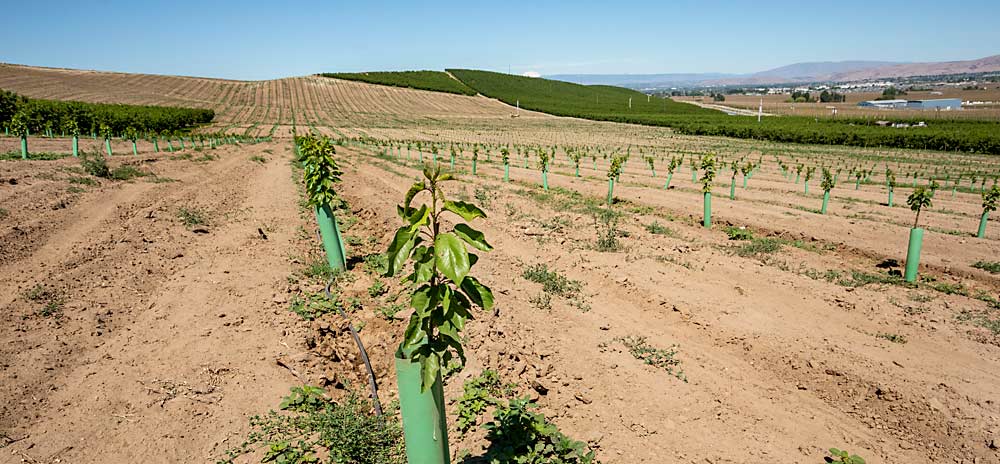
[19, 114]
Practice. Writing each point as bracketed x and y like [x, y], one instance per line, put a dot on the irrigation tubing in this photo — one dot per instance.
[361, 348]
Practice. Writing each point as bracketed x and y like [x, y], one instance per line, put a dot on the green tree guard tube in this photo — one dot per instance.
[156, 144]
[107, 145]
[170, 146]
[670, 175]
[826, 200]
[421, 156]
[694, 176]
[890, 198]
[425, 428]
[473, 166]
[135, 150]
[857, 183]
[982, 225]
[913, 254]
[545, 180]
[797, 177]
[732, 189]
[807, 188]
[434, 158]
[707, 222]
[577, 170]
[745, 181]
[506, 172]
[453, 162]
[180, 140]
[330, 234]
[76, 146]
[611, 190]
[24, 147]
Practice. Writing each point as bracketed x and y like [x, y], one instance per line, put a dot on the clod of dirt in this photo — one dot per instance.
[538, 387]
[200, 230]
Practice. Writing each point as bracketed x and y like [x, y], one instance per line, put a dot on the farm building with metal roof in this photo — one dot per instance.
[935, 104]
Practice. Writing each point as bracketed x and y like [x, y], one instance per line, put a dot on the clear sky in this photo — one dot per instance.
[255, 39]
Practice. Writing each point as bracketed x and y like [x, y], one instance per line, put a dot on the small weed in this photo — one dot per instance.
[81, 180]
[992, 267]
[4, 213]
[665, 359]
[72, 189]
[192, 216]
[844, 457]
[739, 233]
[205, 158]
[258, 159]
[656, 228]
[161, 180]
[314, 426]
[376, 263]
[318, 269]
[606, 224]
[543, 301]
[860, 279]
[313, 305]
[759, 246]
[482, 197]
[389, 312]
[949, 288]
[552, 282]
[127, 172]
[52, 300]
[95, 165]
[377, 289]
[895, 338]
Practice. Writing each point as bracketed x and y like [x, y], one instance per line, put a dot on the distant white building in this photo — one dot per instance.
[890, 104]
[933, 104]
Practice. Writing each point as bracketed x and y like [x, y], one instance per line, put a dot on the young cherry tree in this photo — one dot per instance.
[735, 167]
[809, 174]
[614, 170]
[543, 164]
[320, 173]
[827, 185]
[69, 126]
[106, 134]
[747, 170]
[443, 296]
[675, 162]
[918, 200]
[475, 159]
[990, 199]
[576, 156]
[19, 128]
[708, 166]
[505, 156]
[890, 183]
[132, 135]
[651, 161]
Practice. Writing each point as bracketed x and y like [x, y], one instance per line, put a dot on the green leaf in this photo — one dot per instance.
[399, 250]
[480, 294]
[451, 257]
[468, 211]
[423, 264]
[429, 369]
[472, 237]
[424, 299]
[414, 190]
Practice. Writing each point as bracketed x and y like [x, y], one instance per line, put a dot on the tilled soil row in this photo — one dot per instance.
[781, 365]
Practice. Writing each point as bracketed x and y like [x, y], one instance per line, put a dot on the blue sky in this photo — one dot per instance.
[255, 39]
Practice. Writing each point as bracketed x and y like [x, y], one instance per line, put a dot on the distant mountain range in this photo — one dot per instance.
[824, 71]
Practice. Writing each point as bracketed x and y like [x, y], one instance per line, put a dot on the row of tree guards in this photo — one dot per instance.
[444, 291]
[194, 141]
[707, 164]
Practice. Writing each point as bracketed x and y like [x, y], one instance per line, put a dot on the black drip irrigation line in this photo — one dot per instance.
[361, 348]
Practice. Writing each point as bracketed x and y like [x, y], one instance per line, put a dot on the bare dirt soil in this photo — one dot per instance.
[129, 336]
